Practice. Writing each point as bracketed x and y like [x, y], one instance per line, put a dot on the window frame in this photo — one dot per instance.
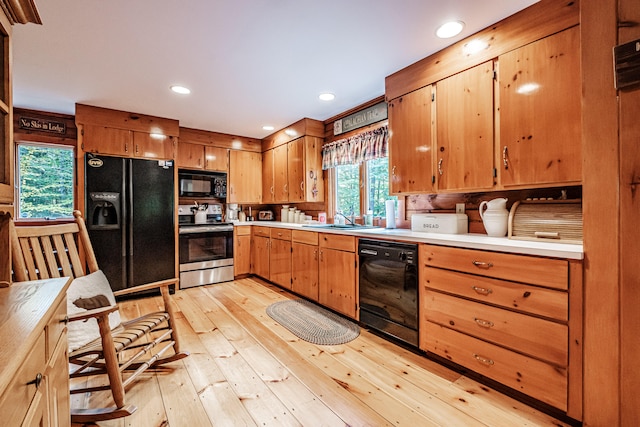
[40, 143]
[364, 193]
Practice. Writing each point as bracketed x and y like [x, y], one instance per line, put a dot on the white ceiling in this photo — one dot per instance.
[247, 62]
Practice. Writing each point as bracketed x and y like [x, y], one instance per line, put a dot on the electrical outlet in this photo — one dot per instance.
[460, 208]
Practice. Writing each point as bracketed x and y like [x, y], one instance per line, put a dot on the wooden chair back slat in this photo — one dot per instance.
[49, 255]
[73, 253]
[28, 261]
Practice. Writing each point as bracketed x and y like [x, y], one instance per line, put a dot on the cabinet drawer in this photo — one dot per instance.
[262, 231]
[525, 374]
[56, 327]
[18, 395]
[242, 231]
[306, 237]
[281, 233]
[516, 296]
[536, 337]
[338, 241]
[553, 273]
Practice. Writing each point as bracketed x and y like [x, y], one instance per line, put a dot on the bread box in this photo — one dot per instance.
[546, 220]
[453, 223]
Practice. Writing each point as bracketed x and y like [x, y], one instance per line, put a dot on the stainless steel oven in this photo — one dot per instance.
[205, 251]
[388, 276]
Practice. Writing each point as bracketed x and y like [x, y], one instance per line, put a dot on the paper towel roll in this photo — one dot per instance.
[390, 208]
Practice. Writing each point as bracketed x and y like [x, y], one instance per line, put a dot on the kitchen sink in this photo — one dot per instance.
[341, 226]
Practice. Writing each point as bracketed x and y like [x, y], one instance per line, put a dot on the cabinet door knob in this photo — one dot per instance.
[440, 166]
[37, 380]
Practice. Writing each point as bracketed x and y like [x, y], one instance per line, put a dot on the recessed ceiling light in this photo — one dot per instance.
[268, 127]
[180, 89]
[327, 96]
[449, 29]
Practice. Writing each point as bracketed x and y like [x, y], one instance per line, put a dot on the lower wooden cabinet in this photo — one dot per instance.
[304, 263]
[260, 256]
[506, 317]
[34, 371]
[241, 250]
[337, 273]
[280, 257]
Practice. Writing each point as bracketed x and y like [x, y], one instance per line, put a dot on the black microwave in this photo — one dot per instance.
[202, 184]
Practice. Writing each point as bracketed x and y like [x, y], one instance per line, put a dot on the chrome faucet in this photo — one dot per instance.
[350, 219]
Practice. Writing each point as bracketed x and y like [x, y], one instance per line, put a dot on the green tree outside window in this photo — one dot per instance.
[45, 181]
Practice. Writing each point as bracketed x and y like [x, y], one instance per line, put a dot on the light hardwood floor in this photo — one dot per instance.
[246, 369]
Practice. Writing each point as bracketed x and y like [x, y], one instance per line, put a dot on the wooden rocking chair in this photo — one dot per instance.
[123, 352]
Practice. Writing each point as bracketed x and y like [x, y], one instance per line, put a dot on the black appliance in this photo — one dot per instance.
[389, 288]
[130, 218]
[202, 184]
[206, 249]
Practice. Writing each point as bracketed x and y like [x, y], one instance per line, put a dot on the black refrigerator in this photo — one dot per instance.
[130, 218]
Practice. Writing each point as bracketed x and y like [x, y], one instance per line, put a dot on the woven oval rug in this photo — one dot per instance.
[313, 323]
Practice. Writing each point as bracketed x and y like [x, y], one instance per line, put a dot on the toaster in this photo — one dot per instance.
[265, 216]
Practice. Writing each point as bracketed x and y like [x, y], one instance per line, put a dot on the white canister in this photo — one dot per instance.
[284, 213]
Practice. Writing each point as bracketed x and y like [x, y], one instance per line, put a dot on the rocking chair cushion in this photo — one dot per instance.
[87, 293]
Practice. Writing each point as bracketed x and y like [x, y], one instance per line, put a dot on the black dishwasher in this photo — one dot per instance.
[389, 288]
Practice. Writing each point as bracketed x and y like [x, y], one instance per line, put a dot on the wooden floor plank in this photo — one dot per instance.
[246, 369]
[299, 400]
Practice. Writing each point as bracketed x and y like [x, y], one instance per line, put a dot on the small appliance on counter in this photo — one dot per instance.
[232, 211]
[265, 216]
[546, 220]
[444, 223]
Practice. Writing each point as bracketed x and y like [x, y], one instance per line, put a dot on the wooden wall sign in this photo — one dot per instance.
[42, 125]
[373, 114]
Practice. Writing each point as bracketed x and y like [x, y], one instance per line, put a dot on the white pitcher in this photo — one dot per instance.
[496, 217]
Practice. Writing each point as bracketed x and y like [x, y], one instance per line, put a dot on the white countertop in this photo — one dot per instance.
[469, 241]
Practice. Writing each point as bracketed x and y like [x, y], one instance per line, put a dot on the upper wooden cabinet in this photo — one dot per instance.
[126, 143]
[244, 182]
[216, 159]
[292, 172]
[120, 133]
[190, 156]
[280, 174]
[464, 117]
[151, 146]
[410, 161]
[268, 190]
[198, 156]
[540, 112]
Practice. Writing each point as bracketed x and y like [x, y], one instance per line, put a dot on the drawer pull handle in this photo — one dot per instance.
[482, 291]
[483, 360]
[37, 380]
[482, 264]
[483, 323]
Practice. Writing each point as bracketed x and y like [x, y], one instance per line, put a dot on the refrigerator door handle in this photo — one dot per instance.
[129, 182]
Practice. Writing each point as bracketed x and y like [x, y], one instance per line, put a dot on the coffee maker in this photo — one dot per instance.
[232, 212]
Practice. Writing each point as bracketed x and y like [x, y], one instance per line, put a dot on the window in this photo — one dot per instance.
[374, 174]
[45, 181]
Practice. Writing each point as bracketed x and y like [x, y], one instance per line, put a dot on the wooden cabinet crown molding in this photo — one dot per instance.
[303, 127]
[20, 11]
[217, 139]
[116, 119]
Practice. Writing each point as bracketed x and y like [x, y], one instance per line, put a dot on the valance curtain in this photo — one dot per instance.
[357, 149]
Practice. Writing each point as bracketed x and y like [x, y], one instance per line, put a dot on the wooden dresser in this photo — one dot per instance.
[34, 373]
[506, 316]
